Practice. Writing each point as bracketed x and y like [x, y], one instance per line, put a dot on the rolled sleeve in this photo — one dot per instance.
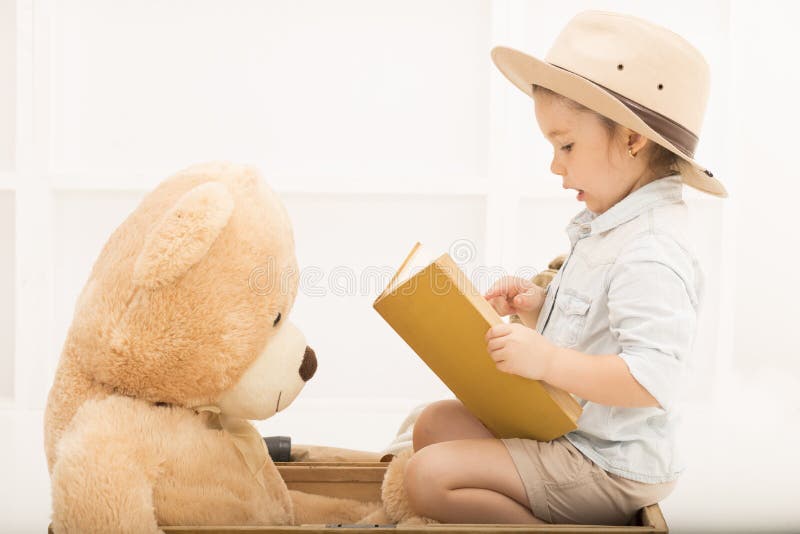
[652, 305]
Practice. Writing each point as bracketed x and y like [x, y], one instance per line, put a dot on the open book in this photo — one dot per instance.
[435, 308]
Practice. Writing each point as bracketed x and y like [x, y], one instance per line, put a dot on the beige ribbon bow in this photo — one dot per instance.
[245, 437]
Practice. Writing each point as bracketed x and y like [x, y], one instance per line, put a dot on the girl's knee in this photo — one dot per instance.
[425, 426]
[432, 420]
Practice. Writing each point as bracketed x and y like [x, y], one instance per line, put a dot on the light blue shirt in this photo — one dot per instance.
[632, 286]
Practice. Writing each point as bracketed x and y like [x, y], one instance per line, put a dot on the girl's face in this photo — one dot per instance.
[584, 156]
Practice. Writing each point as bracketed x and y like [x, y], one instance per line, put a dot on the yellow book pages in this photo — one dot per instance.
[444, 319]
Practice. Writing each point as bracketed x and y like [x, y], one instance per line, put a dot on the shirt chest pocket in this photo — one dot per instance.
[573, 309]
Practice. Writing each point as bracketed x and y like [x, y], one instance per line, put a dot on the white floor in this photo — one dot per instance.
[742, 455]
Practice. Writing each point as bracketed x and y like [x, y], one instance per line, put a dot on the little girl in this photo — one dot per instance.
[622, 101]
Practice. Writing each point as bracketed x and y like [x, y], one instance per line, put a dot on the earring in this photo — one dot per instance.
[630, 152]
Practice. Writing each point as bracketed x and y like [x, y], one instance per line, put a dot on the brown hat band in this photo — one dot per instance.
[670, 130]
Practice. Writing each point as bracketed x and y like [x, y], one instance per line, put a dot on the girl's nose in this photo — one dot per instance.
[556, 168]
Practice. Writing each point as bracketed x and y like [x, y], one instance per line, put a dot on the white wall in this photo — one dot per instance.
[7, 279]
[383, 123]
[8, 62]
[768, 186]
[7, 241]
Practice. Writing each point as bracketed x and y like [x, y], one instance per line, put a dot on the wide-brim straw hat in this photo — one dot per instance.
[636, 73]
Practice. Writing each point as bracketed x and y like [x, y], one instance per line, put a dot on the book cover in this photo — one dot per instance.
[439, 313]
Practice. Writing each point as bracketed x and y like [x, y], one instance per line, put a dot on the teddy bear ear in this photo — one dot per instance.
[182, 237]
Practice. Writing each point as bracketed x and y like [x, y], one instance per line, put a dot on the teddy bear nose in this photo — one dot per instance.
[309, 365]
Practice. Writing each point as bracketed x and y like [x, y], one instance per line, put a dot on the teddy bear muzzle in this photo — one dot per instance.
[275, 377]
[309, 365]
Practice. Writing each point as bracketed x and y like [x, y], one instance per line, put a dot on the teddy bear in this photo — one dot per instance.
[181, 335]
[395, 505]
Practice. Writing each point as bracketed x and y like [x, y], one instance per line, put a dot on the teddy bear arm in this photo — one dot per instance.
[102, 481]
[77, 506]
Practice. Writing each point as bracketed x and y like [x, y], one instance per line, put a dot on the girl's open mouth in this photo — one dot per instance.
[580, 194]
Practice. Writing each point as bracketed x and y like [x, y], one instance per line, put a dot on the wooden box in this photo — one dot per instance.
[362, 481]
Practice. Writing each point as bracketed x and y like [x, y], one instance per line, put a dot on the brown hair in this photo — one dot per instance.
[660, 161]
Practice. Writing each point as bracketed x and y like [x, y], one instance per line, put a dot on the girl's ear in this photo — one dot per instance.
[636, 141]
[183, 236]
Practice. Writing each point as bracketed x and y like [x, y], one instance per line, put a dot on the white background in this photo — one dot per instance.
[380, 124]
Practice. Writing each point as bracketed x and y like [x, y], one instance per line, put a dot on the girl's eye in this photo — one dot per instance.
[277, 319]
[567, 147]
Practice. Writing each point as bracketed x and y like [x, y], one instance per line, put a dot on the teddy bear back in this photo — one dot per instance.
[185, 293]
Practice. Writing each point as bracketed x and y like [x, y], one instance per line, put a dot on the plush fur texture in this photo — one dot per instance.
[396, 508]
[180, 311]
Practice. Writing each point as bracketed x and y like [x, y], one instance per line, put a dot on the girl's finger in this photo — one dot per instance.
[524, 302]
[506, 309]
[493, 292]
[497, 290]
[500, 305]
[508, 286]
[502, 366]
[529, 299]
[497, 330]
[495, 344]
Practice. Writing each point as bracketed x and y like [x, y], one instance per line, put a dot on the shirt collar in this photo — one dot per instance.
[661, 191]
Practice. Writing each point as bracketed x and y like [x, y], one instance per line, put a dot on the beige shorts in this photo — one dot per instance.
[564, 486]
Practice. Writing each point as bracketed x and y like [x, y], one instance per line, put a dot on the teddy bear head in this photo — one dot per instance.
[188, 301]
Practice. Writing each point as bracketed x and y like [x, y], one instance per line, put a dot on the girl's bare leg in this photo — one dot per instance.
[447, 420]
[460, 473]
[467, 481]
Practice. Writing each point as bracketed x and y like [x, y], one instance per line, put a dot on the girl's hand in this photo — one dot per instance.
[520, 350]
[512, 294]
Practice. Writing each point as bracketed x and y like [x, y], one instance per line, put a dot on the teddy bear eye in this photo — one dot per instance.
[277, 319]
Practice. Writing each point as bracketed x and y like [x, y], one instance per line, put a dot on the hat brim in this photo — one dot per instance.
[523, 70]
